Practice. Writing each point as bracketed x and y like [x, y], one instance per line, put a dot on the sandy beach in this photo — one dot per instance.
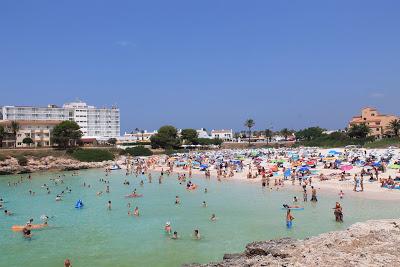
[332, 186]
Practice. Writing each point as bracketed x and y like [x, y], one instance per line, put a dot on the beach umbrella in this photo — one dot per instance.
[303, 169]
[394, 166]
[346, 167]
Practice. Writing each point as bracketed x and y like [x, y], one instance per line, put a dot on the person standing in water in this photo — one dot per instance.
[289, 219]
[177, 200]
[305, 198]
[136, 212]
[313, 194]
[338, 212]
[109, 205]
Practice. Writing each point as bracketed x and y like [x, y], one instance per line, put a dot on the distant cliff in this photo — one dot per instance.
[373, 243]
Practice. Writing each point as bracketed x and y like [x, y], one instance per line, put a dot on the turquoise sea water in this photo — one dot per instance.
[94, 236]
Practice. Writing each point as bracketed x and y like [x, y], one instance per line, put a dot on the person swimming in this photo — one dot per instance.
[213, 217]
[177, 200]
[292, 206]
[175, 235]
[204, 204]
[196, 234]
[167, 227]
[27, 232]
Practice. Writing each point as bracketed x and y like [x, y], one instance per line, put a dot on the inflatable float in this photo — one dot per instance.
[19, 228]
[79, 204]
[192, 187]
[298, 208]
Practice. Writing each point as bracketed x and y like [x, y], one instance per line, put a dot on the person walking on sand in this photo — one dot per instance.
[362, 183]
[355, 183]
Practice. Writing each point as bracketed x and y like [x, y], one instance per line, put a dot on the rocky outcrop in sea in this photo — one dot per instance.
[372, 243]
[11, 165]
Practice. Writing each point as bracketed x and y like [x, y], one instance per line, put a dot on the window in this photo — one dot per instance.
[377, 129]
[372, 114]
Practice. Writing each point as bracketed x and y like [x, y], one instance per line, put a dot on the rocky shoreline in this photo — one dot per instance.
[372, 243]
[11, 166]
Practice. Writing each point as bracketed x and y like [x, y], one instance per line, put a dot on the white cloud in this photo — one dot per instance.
[123, 43]
[376, 95]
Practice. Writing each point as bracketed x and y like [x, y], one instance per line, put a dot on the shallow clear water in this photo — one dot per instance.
[94, 236]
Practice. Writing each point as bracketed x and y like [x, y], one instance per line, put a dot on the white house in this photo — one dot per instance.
[225, 135]
[202, 133]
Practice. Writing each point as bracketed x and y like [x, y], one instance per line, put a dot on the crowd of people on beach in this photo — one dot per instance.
[274, 168]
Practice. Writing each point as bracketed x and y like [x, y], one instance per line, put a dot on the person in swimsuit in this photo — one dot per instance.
[313, 194]
[196, 234]
[175, 235]
[177, 200]
[27, 232]
[167, 227]
[136, 212]
[213, 217]
[289, 219]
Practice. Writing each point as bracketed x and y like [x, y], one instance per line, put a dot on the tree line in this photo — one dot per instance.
[167, 137]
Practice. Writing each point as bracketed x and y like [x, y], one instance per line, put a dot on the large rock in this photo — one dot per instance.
[373, 243]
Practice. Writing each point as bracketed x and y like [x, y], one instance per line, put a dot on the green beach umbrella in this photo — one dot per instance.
[394, 166]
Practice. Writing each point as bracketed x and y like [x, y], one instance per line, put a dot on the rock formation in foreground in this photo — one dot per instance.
[372, 243]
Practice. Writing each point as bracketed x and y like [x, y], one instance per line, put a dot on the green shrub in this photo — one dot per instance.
[92, 155]
[384, 143]
[138, 151]
[22, 160]
[3, 158]
[136, 144]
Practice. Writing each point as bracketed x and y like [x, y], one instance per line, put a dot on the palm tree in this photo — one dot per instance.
[14, 130]
[268, 135]
[142, 132]
[394, 127]
[249, 123]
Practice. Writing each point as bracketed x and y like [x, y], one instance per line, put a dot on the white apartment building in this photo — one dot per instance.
[136, 137]
[94, 122]
[225, 135]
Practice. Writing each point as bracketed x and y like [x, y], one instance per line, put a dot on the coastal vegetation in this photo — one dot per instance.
[66, 134]
[138, 151]
[91, 155]
[168, 139]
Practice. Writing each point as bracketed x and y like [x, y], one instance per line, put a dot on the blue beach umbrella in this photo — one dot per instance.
[303, 169]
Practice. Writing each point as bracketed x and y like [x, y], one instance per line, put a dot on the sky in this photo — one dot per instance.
[208, 63]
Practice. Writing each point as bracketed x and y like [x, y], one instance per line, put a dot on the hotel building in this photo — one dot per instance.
[99, 123]
[376, 121]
